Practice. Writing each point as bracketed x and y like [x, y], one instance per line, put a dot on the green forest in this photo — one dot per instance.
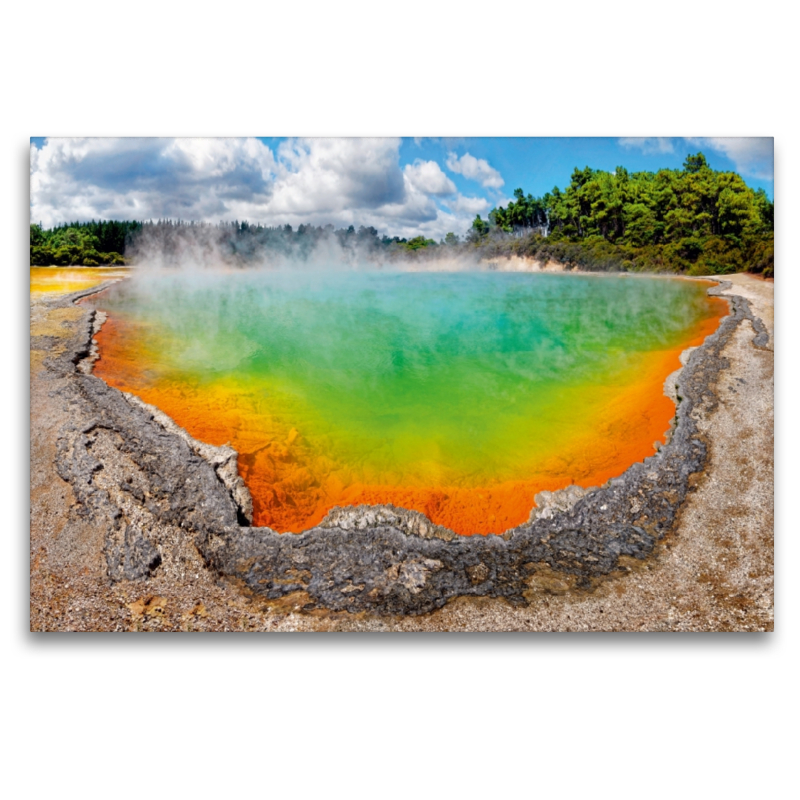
[86, 244]
[695, 220]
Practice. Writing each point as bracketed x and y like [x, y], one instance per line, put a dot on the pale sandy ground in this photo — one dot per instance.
[713, 573]
[501, 264]
[519, 264]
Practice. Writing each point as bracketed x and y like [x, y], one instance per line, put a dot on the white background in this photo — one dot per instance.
[396, 716]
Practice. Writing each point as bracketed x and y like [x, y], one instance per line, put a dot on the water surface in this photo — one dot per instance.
[460, 395]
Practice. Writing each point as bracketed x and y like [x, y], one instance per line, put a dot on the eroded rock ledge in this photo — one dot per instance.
[153, 487]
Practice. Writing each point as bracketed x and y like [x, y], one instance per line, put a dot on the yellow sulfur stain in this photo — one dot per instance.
[54, 281]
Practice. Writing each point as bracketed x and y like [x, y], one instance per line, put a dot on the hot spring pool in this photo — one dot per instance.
[459, 395]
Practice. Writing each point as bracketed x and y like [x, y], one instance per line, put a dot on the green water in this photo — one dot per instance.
[411, 376]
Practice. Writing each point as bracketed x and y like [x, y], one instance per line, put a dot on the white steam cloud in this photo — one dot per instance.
[195, 249]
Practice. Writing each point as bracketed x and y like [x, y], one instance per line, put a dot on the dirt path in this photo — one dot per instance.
[713, 572]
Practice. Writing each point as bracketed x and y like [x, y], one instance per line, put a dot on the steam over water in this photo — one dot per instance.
[460, 395]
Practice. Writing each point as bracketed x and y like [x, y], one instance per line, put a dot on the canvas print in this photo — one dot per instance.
[398, 384]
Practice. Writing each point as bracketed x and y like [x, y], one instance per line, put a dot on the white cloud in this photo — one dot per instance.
[648, 144]
[73, 179]
[428, 178]
[476, 169]
[415, 206]
[468, 205]
[304, 181]
[336, 175]
[353, 182]
[752, 155]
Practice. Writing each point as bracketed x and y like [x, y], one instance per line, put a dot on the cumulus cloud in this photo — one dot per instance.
[353, 182]
[303, 181]
[648, 144]
[752, 155]
[476, 169]
[79, 179]
[428, 178]
[468, 205]
[333, 175]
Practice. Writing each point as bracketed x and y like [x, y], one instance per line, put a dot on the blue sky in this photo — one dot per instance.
[401, 186]
[538, 164]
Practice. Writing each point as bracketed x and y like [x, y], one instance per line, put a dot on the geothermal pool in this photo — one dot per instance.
[460, 395]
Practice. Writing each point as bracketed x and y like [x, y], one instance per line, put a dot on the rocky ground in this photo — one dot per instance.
[136, 527]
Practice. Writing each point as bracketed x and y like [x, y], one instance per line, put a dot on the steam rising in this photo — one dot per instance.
[196, 247]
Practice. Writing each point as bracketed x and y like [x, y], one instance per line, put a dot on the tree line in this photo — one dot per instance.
[694, 220]
[109, 243]
[87, 244]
